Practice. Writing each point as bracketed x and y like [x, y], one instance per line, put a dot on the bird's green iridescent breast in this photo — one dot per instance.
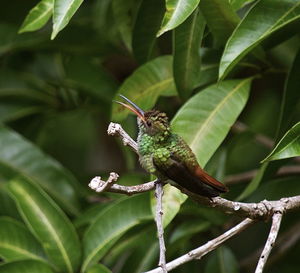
[150, 147]
[145, 144]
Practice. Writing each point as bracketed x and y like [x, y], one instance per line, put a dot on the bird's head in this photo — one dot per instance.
[152, 122]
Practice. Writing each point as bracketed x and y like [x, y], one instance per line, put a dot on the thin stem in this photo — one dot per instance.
[284, 242]
[276, 221]
[199, 252]
[159, 224]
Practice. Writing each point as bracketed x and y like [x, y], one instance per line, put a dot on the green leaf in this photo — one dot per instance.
[288, 146]
[177, 12]
[147, 23]
[23, 158]
[221, 261]
[237, 4]
[130, 241]
[90, 215]
[256, 26]
[147, 256]
[122, 15]
[143, 255]
[205, 119]
[7, 204]
[187, 61]
[290, 96]
[11, 40]
[17, 243]
[13, 110]
[171, 202]
[112, 223]
[145, 85]
[25, 266]
[38, 16]
[62, 14]
[276, 189]
[48, 223]
[82, 73]
[188, 229]
[208, 73]
[254, 183]
[99, 268]
[221, 19]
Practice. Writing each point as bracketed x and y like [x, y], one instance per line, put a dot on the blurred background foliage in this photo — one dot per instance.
[206, 64]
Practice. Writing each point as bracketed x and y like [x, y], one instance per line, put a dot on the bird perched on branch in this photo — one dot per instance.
[167, 156]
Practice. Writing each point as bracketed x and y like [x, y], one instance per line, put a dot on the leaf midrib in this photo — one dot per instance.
[62, 17]
[44, 185]
[104, 242]
[204, 125]
[285, 147]
[22, 251]
[48, 226]
[261, 37]
[189, 47]
[44, 14]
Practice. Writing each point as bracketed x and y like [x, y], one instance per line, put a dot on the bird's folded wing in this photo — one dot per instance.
[195, 180]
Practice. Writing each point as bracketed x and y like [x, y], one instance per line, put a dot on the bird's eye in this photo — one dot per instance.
[149, 123]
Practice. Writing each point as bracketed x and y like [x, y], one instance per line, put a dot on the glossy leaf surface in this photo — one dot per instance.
[62, 14]
[187, 61]
[177, 11]
[262, 20]
[17, 243]
[145, 85]
[21, 156]
[48, 223]
[146, 25]
[112, 223]
[288, 146]
[209, 115]
[38, 16]
[25, 266]
[221, 19]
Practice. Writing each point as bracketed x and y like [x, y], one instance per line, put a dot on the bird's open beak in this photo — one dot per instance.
[133, 108]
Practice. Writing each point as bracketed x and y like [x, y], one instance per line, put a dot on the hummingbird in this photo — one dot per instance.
[167, 156]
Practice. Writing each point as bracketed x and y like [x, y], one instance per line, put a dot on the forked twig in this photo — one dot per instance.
[199, 252]
[253, 211]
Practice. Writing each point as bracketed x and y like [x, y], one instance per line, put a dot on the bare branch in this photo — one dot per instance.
[160, 230]
[262, 210]
[253, 211]
[99, 185]
[288, 239]
[284, 242]
[199, 252]
[276, 221]
[115, 129]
